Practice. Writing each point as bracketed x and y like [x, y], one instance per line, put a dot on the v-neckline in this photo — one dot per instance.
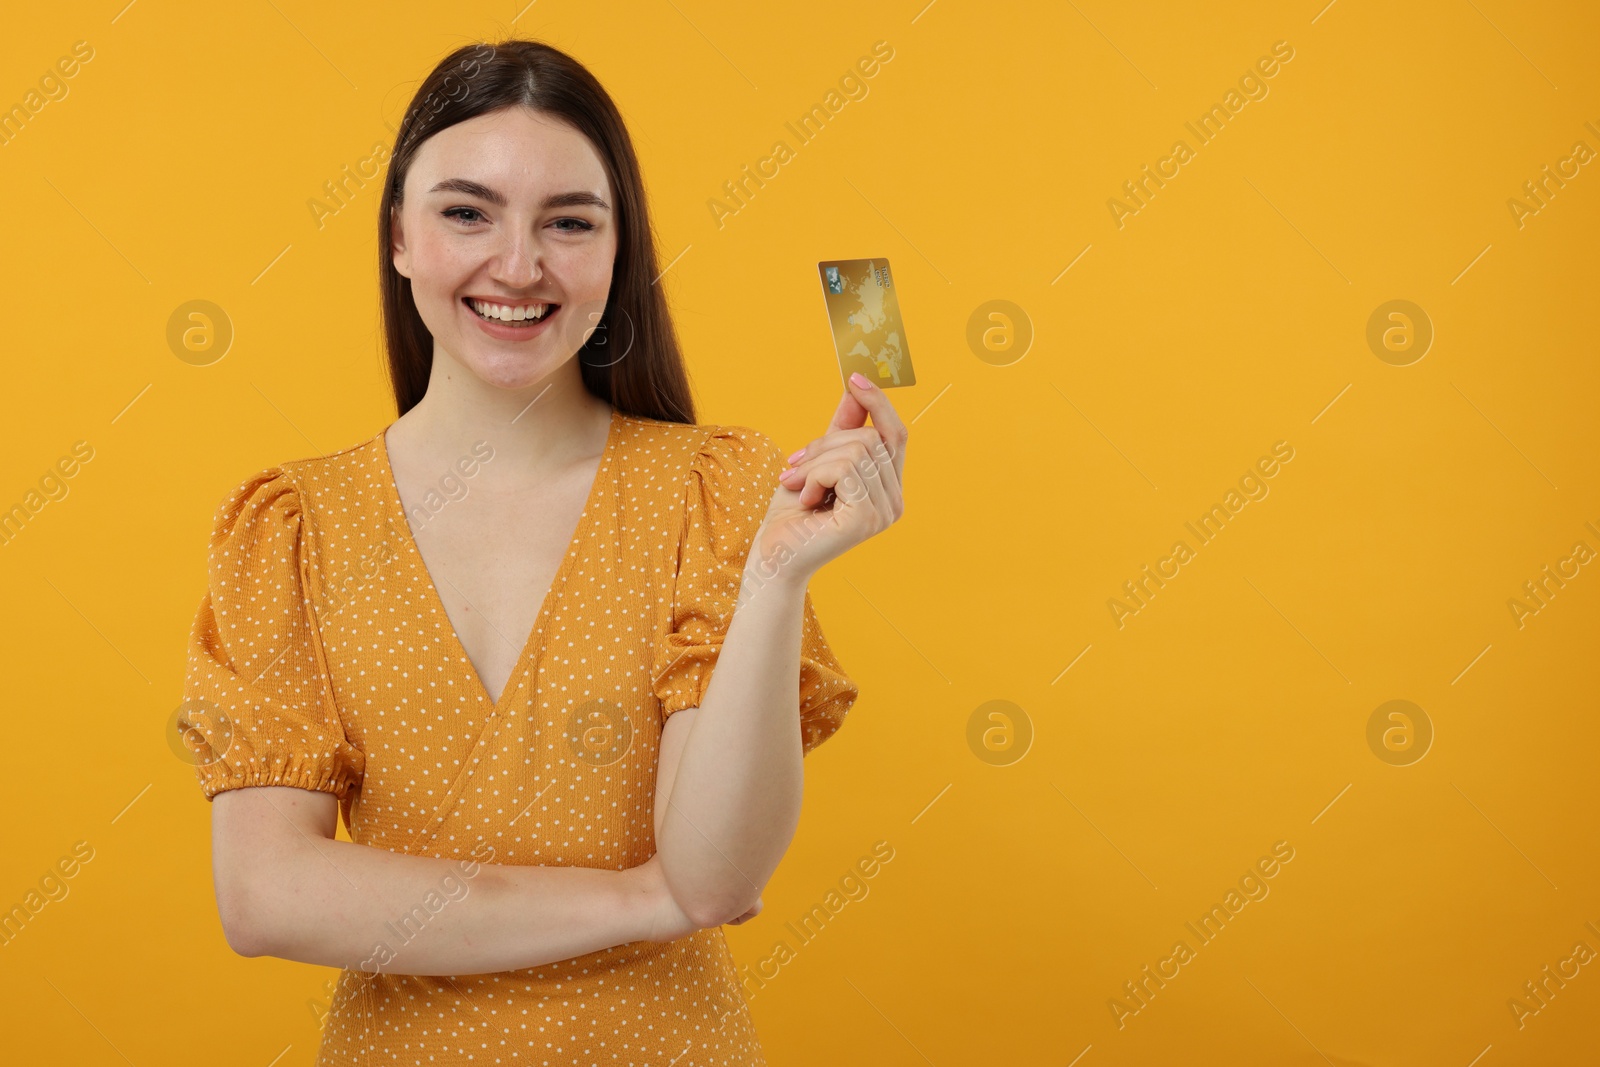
[402, 523]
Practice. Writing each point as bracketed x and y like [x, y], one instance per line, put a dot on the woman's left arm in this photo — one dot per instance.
[732, 801]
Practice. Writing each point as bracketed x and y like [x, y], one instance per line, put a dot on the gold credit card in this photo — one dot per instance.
[864, 311]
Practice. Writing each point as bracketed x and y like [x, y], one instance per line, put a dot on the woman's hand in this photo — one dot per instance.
[845, 487]
[755, 910]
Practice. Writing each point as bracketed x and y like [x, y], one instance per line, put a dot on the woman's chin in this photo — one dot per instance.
[511, 374]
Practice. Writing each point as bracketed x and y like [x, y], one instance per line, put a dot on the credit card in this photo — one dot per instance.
[864, 311]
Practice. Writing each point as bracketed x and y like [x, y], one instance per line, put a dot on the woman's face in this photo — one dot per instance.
[512, 208]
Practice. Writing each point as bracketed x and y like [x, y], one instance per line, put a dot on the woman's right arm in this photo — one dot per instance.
[287, 887]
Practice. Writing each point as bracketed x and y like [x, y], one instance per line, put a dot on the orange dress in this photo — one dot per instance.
[321, 657]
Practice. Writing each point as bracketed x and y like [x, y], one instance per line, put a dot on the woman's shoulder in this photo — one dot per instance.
[295, 486]
[704, 447]
[358, 459]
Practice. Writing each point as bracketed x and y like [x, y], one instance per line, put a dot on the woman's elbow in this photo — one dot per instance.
[244, 942]
[720, 910]
[240, 926]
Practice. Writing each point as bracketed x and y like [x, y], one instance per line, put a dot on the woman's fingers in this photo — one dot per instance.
[857, 474]
[886, 453]
[837, 439]
[886, 421]
[751, 914]
[889, 478]
[869, 473]
[813, 478]
[872, 458]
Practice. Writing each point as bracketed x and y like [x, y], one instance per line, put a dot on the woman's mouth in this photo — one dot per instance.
[511, 316]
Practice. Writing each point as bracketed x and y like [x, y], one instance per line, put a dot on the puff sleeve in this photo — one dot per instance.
[731, 480]
[258, 706]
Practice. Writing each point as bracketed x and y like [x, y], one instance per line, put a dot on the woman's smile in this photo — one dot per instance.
[513, 322]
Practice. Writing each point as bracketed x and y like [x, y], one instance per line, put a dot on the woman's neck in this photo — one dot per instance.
[535, 432]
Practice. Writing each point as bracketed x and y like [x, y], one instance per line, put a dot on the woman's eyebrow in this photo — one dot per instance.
[468, 187]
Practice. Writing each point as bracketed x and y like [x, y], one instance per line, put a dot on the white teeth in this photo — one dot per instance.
[509, 314]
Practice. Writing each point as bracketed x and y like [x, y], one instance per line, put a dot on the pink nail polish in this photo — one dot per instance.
[796, 457]
[861, 380]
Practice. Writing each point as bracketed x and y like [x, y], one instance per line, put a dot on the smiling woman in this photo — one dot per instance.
[560, 671]
[559, 132]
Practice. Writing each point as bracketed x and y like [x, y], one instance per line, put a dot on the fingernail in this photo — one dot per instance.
[796, 457]
[861, 380]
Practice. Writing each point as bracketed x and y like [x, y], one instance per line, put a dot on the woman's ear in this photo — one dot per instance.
[397, 243]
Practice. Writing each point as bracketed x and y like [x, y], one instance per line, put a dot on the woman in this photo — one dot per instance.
[487, 634]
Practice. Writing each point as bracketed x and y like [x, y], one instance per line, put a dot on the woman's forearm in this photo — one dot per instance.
[341, 904]
[735, 800]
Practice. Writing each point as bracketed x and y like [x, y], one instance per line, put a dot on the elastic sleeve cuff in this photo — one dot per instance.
[277, 765]
[687, 675]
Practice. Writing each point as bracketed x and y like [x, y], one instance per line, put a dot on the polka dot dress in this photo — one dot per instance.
[326, 661]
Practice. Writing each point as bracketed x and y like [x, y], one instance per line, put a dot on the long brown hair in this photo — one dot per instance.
[650, 380]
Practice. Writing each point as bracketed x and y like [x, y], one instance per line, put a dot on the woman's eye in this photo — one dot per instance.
[468, 215]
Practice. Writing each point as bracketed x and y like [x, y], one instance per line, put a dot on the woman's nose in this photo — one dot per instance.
[519, 264]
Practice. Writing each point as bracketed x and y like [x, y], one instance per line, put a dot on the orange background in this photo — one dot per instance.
[1229, 313]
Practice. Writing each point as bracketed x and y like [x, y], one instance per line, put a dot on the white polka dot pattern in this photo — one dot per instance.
[324, 643]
